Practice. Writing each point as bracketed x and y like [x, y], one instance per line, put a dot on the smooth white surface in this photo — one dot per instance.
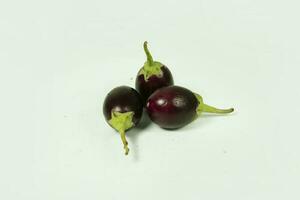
[59, 58]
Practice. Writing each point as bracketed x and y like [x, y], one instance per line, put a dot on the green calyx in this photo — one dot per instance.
[122, 122]
[202, 107]
[150, 68]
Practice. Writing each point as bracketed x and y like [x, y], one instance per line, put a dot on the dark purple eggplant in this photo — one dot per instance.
[152, 76]
[123, 109]
[174, 107]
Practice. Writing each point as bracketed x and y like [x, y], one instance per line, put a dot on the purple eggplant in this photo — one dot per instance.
[123, 109]
[152, 76]
[174, 107]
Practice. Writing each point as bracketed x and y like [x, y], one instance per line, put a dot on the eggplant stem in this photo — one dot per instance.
[202, 107]
[125, 143]
[211, 109]
[149, 57]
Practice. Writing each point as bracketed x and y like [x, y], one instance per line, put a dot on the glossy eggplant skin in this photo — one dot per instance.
[147, 87]
[172, 107]
[123, 99]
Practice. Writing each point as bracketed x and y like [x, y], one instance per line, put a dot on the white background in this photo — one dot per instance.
[60, 58]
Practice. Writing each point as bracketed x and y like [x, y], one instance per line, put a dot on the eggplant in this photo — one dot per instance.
[123, 109]
[174, 107]
[152, 76]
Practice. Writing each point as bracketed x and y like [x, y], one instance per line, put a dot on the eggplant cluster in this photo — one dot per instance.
[168, 105]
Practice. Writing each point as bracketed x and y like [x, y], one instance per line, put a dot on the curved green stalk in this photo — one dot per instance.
[202, 107]
[148, 54]
[122, 122]
[211, 109]
[125, 143]
[151, 67]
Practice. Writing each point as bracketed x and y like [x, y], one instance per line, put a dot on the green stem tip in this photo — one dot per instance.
[149, 57]
[122, 122]
[125, 143]
[210, 109]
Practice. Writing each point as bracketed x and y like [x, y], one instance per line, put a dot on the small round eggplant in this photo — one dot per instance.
[152, 76]
[123, 109]
[174, 107]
